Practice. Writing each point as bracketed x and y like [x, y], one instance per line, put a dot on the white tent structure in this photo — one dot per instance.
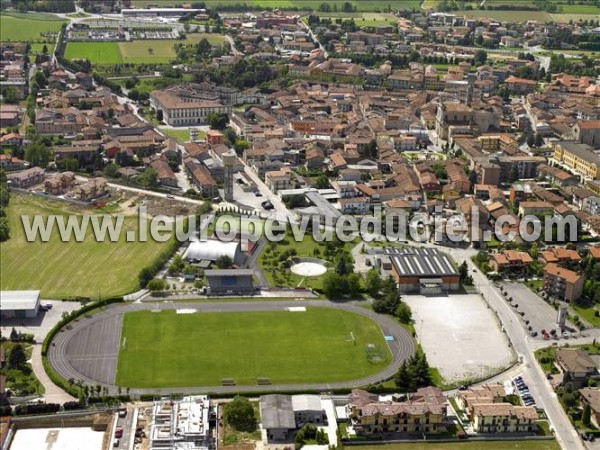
[212, 249]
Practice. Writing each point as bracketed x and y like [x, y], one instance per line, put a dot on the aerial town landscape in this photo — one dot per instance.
[287, 224]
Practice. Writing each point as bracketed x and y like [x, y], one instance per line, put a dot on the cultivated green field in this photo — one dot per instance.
[70, 269]
[28, 27]
[286, 347]
[142, 51]
[361, 5]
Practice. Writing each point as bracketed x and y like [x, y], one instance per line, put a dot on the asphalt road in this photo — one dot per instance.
[97, 335]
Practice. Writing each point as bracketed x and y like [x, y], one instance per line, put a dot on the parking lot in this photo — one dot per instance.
[460, 335]
[541, 315]
[43, 323]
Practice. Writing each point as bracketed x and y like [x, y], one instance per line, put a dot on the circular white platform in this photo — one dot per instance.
[308, 269]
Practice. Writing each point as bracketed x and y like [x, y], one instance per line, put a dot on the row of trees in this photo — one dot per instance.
[4, 200]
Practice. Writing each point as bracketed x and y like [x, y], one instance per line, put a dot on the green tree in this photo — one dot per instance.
[111, 170]
[149, 177]
[10, 95]
[218, 121]
[37, 153]
[322, 182]
[17, 357]
[373, 282]
[354, 287]
[587, 415]
[239, 414]
[4, 229]
[403, 313]
[156, 285]
[224, 262]
[332, 284]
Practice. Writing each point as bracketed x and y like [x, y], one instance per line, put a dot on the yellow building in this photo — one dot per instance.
[503, 418]
[424, 412]
[580, 158]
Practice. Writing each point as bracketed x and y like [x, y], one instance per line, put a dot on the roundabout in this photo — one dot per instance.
[97, 348]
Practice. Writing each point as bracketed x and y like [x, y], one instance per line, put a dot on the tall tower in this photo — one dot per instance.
[471, 88]
[229, 159]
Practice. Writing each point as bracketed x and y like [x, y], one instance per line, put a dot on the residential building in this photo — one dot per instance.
[503, 418]
[26, 178]
[423, 414]
[562, 283]
[591, 397]
[588, 132]
[577, 364]
[278, 180]
[510, 261]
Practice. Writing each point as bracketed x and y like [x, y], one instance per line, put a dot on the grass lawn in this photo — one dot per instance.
[495, 445]
[286, 347]
[148, 51]
[96, 52]
[38, 47]
[16, 27]
[587, 314]
[213, 38]
[66, 269]
[307, 247]
[181, 135]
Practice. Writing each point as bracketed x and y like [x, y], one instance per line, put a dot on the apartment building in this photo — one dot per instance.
[504, 418]
[580, 158]
[562, 283]
[419, 414]
[278, 180]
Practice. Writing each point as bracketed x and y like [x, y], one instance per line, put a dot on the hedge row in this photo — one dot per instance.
[151, 397]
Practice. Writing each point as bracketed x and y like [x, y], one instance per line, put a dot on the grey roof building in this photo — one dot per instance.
[277, 416]
[229, 281]
[421, 270]
[20, 304]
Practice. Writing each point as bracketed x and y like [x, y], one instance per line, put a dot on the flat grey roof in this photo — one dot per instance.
[306, 402]
[229, 272]
[421, 262]
[325, 208]
[276, 411]
[18, 300]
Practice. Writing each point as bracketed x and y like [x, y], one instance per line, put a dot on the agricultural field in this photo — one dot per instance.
[361, 5]
[318, 345]
[142, 51]
[67, 269]
[28, 27]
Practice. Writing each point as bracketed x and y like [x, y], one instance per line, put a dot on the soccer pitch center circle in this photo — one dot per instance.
[308, 267]
[244, 344]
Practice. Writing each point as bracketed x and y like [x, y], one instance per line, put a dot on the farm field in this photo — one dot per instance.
[28, 27]
[286, 347]
[67, 269]
[361, 5]
[142, 51]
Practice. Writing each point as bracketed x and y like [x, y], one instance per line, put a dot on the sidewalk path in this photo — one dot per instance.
[53, 394]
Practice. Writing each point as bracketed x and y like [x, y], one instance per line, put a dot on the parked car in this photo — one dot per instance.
[119, 432]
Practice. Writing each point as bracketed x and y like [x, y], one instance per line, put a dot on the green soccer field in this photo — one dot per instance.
[67, 269]
[166, 349]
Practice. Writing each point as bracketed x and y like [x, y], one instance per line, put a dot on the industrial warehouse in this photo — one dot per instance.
[425, 271]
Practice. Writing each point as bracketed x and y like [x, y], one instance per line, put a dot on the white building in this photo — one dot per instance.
[19, 304]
